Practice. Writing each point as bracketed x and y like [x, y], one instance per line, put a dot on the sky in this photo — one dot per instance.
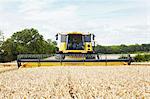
[114, 22]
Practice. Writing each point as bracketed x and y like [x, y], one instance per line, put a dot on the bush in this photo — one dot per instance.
[142, 58]
[147, 57]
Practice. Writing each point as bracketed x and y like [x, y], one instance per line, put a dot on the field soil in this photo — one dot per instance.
[103, 82]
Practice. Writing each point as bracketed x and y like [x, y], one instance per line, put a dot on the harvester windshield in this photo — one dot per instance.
[75, 42]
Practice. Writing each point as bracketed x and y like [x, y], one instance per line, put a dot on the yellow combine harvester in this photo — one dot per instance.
[75, 49]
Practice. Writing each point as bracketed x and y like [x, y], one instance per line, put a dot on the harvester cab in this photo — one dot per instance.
[75, 42]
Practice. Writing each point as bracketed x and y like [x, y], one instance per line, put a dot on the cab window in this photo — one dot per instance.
[63, 38]
[87, 38]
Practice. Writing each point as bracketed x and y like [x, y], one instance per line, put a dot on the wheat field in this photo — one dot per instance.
[125, 82]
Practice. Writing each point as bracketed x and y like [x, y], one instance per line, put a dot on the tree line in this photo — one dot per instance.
[123, 49]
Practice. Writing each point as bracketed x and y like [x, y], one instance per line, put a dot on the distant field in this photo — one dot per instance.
[77, 82]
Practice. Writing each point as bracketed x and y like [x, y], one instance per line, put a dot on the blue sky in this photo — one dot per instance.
[112, 21]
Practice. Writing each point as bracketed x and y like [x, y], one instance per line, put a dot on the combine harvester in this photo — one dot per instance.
[75, 49]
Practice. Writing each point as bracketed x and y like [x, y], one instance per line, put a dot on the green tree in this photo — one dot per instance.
[27, 41]
[9, 50]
